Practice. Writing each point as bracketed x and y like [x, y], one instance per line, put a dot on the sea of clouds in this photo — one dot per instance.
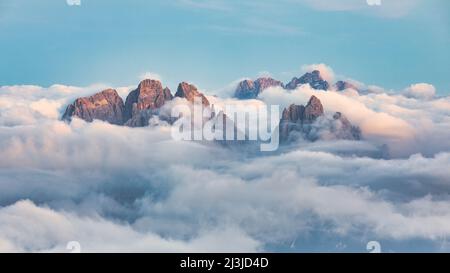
[115, 188]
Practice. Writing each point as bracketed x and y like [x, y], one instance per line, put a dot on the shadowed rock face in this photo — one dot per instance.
[299, 118]
[140, 119]
[314, 79]
[310, 123]
[248, 89]
[149, 95]
[342, 85]
[106, 105]
[190, 92]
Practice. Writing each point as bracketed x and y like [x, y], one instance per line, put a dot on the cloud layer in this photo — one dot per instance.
[114, 188]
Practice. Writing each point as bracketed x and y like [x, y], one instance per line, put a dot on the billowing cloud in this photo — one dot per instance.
[326, 72]
[25, 227]
[421, 91]
[151, 76]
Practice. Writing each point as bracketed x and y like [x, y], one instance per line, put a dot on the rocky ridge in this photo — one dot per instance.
[146, 100]
[249, 89]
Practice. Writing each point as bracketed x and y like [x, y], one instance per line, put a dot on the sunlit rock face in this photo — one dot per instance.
[190, 92]
[150, 95]
[106, 106]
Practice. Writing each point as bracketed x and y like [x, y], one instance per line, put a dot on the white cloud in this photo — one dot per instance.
[26, 227]
[150, 76]
[326, 72]
[421, 91]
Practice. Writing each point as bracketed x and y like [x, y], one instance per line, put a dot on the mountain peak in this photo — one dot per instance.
[149, 95]
[190, 92]
[313, 109]
[299, 120]
[106, 105]
[249, 89]
[314, 79]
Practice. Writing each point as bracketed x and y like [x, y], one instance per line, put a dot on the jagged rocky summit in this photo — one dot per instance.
[144, 101]
[140, 105]
[249, 89]
[314, 79]
[310, 122]
[106, 105]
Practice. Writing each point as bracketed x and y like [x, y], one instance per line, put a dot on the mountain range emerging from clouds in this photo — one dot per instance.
[146, 100]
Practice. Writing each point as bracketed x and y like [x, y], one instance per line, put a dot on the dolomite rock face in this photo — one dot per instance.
[106, 106]
[140, 119]
[248, 89]
[309, 122]
[141, 104]
[149, 96]
[313, 110]
[298, 118]
[314, 79]
[190, 92]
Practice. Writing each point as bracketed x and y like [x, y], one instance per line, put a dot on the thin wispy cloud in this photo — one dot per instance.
[217, 5]
[253, 26]
[388, 8]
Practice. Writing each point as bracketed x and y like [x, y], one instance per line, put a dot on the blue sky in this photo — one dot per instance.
[213, 43]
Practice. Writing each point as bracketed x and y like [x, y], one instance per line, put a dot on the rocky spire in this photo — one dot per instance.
[313, 109]
[190, 92]
[149, 95]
